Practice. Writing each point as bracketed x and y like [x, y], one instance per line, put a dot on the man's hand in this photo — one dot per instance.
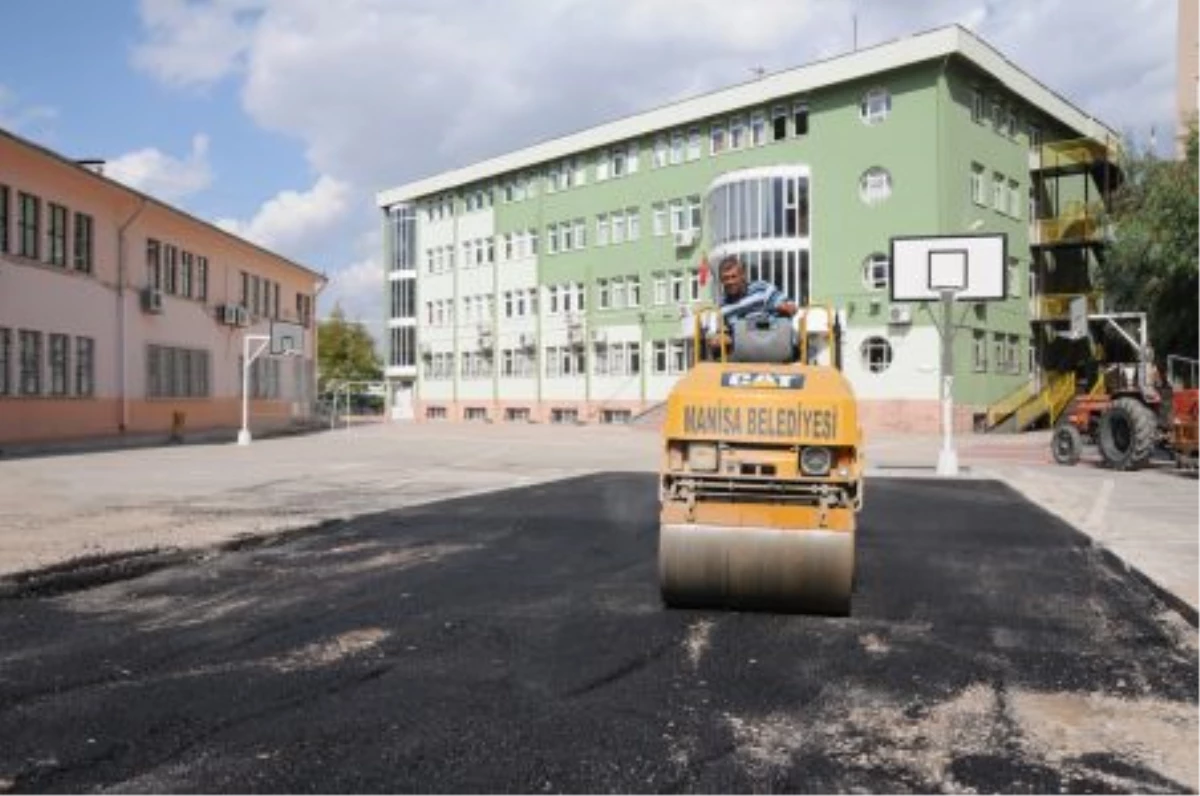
[787, 309]
[716, 341]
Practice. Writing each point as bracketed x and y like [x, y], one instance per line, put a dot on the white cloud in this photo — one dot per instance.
[292, 221]
[382, 92]
[22, 118]
[189, 43]
[164, 176]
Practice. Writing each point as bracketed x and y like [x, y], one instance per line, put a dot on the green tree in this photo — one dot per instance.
[346, 350]
[1152, 263]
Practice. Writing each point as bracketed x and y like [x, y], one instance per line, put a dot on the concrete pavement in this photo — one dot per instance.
[54, 509]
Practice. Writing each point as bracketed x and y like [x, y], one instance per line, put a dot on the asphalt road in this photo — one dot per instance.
[515, 642]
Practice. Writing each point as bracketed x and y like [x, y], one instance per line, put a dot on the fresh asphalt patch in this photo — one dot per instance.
[516, 642]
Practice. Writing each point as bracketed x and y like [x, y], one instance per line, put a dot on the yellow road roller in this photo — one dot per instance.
[761, 475]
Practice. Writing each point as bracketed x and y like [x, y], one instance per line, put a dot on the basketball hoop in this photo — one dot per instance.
[286, 339]
[946, 269]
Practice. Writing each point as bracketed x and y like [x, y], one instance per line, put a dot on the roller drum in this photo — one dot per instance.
[792, 570]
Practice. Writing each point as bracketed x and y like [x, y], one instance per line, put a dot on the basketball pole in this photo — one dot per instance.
[947, 458]
[243, 437]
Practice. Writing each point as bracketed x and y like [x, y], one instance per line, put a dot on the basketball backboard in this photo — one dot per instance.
[970, 266]
[287, 339]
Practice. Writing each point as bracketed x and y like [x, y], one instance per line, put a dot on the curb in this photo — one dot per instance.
[88, 572]
[1169, 598]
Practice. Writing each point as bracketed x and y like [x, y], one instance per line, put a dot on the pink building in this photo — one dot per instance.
[120, 313]
[1187, 68]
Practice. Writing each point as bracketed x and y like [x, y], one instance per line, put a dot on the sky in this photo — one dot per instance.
[280, 120]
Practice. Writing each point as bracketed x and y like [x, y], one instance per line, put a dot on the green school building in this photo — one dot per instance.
[553, 283]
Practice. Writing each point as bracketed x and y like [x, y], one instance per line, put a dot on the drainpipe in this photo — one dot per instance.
[316, 333]
[122, 359]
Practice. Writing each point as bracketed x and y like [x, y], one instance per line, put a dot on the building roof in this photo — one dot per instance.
[119, 186]
[946, 41]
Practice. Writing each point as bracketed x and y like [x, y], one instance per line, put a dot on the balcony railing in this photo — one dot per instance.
[1057, 306]
[1078, 223]
[1075, 153]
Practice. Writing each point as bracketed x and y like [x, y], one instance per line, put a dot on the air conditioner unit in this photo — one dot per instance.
[426, 348]
[528, 340]
[899, 313]
[152, 300]
[229, 314]
[242, 315]
[685, 238]
[575, 335]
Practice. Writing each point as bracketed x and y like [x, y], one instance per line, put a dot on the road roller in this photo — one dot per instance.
[761, 476]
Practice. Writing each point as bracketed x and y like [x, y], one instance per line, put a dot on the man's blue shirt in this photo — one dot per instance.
[759, 297]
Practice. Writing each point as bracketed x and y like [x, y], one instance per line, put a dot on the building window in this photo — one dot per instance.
[997, 114]
[29, 225]
[5, 361]
[518, 414]
[1013, 123]
[659, 349]
[187, 269]
[999, 190]
[173, 372]
[476, 413]
[659, 219]
[978, 105]
[875, 106]
[677, 147]
[1014, 199]
[718, 139]
[979, 351]
[615, 416]
[876, 354]
[737, 133]
[998, 341]
[1031, 357]
[602, 299]
[1014, 277]
[620, 163]
[660, 288]
[31, 362]
[154, 266]
[875, 271]
[564, 416]
[875, 185]
[56, 235]
[633, 224]
[60, 363]
[800, 119]
[778, 123]
[661, 150]
[85, 367]
[758, 129]
[580, 233]
[83, 243]
[5, 195]
[978, 193]
[202, 280]
[693, 144]
[1035, 136]
[435, 413]
[170, 266]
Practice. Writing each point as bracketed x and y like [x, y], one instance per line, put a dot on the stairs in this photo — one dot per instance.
[1021, 409]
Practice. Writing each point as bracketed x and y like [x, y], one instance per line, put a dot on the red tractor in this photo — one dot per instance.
[1135, 414]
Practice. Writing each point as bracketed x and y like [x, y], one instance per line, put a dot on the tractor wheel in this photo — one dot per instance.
[1127, 432]
[1066, 445]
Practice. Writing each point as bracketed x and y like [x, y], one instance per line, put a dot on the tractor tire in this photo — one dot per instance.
[1127, 433]
[1066, 445]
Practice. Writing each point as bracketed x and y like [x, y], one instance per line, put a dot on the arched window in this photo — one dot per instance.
[875, 185]
[875, 106]
[876, 354]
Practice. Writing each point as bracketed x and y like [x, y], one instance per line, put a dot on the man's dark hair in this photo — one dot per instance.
[731, 261]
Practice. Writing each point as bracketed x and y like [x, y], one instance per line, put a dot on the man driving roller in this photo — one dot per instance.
[741, 298]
